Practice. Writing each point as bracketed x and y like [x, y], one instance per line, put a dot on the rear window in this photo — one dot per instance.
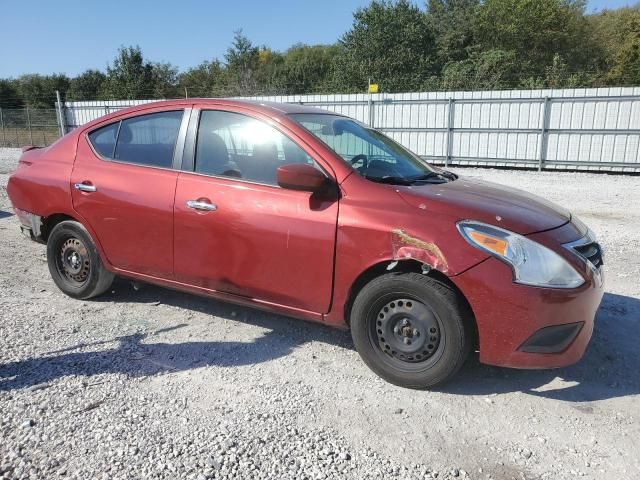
[145, 140]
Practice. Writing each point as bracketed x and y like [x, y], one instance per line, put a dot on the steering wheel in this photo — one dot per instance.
[360, 157]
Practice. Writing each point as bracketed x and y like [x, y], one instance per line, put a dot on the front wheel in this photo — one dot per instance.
[411, 329]
[74, 262]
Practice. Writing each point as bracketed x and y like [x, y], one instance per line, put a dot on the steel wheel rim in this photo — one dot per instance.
[406, 332]
[72, 261]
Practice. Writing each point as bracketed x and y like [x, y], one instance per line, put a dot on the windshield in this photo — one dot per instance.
[372, 154]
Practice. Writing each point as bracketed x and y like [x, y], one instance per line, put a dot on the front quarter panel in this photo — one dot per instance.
[375, 226]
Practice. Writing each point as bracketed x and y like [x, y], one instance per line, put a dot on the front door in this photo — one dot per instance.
[237, 231]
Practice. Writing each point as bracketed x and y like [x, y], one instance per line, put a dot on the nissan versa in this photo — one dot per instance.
[311, 214]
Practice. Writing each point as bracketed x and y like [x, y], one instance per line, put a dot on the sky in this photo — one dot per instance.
[41, 36]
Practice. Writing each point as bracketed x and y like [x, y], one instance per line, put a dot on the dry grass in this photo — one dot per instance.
[21, 136]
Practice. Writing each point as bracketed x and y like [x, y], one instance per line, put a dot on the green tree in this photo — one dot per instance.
[39, 91]
[452, 23]
[165, 81]
[535, 30]
[205, 80]
[130, 76]
[269, 75]
[558, 75]
[390, 43]
[9, 94]
[626, 69]
[86, 86]
[618, 34]
[242, 62]
[303, 69]
[487, 70]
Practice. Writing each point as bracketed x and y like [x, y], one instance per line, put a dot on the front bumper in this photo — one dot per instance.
[530, 327]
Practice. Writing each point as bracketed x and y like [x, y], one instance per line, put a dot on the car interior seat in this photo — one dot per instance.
[136, 147]
[265, 162]
[294, 154]
[212, 157]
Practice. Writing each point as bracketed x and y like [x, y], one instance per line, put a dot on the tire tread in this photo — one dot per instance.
[101, 278]
[459, 314]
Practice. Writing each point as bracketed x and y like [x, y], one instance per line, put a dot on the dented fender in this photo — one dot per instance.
[377, 227]
[405, 246]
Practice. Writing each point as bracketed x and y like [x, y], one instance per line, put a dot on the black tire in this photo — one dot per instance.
[74, 262]
[411, 329]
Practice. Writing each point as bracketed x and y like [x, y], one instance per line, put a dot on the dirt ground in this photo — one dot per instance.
[152, 383]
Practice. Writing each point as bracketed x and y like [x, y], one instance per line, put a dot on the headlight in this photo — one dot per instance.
[532, 263]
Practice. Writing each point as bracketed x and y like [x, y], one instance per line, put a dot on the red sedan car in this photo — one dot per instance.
[311, 214]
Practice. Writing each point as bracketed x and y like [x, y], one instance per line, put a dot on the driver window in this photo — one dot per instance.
[235, 145]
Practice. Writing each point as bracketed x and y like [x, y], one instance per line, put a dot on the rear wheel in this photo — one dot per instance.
[74, 262]
[410, 329]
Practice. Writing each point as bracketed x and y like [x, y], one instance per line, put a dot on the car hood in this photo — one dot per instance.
[473, 199]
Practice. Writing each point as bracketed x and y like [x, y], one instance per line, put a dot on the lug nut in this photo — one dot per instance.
[407, 341]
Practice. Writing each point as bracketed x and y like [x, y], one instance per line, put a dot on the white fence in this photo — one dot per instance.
[586, 129]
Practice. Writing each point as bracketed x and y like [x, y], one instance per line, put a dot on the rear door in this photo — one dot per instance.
[123, 184]
[237, 231]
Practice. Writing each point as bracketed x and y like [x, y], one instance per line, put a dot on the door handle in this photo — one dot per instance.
[201, 205]
[85, 187]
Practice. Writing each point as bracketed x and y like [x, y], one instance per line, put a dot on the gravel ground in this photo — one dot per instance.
[152, 383]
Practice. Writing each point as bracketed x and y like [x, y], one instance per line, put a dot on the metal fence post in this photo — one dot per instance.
[4, 135]
[450, 113]
[60, 114]
[29, 126]
[544, 134]
[371, 115]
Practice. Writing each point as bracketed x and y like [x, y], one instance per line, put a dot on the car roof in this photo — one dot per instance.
[269, 108]
[266, 106]
[263, 106]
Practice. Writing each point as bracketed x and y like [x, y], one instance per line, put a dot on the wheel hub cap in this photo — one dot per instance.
[407, 330]
[74, 260]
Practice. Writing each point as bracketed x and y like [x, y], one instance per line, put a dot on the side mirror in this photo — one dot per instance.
[302, 176]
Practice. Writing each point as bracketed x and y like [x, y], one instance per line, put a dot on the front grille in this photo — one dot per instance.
[592, 252]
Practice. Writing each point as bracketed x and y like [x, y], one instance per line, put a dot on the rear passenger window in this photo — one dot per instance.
[104, 139]
[145, 140]
[148, 139]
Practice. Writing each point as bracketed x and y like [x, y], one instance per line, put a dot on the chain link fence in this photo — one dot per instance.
[28, 126]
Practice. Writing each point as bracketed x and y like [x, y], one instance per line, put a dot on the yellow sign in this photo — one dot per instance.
[373, 88]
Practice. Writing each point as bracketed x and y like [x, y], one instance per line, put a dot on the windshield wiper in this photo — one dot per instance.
[438, 177]
[449, 175]
[390, 179]
[429, 177]
[441, 177]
